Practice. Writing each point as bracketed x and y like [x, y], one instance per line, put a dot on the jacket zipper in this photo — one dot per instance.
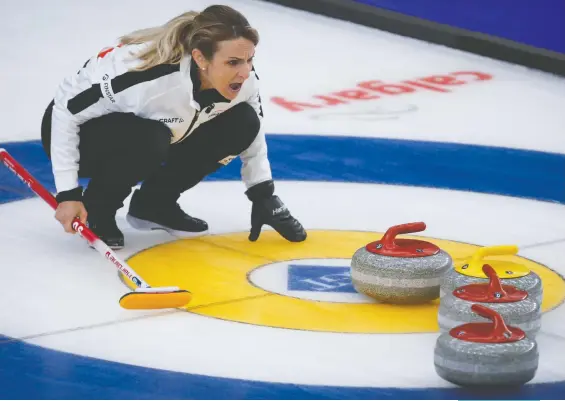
[190, 127]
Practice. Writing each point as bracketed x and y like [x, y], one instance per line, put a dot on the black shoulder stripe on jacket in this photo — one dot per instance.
[92, 95]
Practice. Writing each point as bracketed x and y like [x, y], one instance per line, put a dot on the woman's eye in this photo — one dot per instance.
[232, 62]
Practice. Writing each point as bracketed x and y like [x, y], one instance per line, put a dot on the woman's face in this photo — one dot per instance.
[229, 68]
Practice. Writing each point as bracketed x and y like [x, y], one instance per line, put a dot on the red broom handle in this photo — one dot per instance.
[26, 177]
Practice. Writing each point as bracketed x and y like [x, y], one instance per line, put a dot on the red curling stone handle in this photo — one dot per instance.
[500, 329]
[496, 332]
[491, 292]
[490, 314]
[392, 232]
[494, 282]
[389, 245]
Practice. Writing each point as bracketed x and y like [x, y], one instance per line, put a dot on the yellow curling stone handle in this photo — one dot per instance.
[473, 266]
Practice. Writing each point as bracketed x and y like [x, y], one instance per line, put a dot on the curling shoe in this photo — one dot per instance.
[105, 227]
[147, 216]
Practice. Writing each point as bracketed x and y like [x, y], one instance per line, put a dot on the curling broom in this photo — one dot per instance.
[144, 296]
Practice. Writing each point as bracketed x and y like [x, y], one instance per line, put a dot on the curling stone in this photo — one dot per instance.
[469, 271]
[400, 271]
[514, 305]
[486, 354]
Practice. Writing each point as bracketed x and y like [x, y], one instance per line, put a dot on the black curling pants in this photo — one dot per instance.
[119, 150]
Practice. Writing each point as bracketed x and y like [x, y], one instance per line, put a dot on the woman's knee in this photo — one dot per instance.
[248, 118]
[245, 120]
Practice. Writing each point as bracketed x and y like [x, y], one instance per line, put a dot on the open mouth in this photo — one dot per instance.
[235, 87]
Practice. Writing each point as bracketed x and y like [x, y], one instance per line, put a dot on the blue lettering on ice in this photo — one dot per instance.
[319, 278]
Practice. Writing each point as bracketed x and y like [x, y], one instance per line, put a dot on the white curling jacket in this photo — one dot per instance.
[165, 93]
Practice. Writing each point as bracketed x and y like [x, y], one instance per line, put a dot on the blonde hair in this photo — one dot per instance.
[169, 43]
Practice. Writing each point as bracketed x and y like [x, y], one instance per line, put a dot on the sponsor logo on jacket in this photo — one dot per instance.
[172, 120]
[107, 89]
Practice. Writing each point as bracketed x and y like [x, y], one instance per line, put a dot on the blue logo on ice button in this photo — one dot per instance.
[319, 279]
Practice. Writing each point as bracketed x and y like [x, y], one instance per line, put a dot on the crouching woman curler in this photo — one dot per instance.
[166, 107]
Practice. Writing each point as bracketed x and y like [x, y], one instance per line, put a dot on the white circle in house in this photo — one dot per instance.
[325, 280]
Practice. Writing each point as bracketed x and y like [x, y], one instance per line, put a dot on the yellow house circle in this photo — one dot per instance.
[222, 273]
